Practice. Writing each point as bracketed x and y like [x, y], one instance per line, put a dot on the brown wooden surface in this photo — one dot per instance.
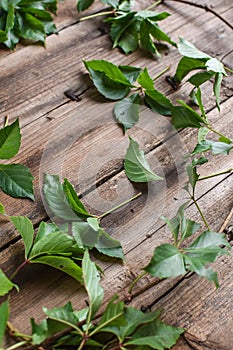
[81, 141]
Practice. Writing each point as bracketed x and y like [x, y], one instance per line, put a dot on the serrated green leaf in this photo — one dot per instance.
[202, 133]
[209, 239]
[156, 335]
[187, 49]
[113, 315]
[4, 314]
[46, 328]
[158, 33]
[56, 199]
[158, 102]
[145, 80]
[84, 235]
[145, 14]
[128, 41]
[130, 72]
[16, 180]
[26, 230]
[215, 147]
[136, 166]
[183, 117]
[185, 66]
[215, 65]
[200, 78]
[126, 111]
[73, 200]
[64, 314]
[5, 284]
[167, 261]
[95, 292]
[194, 264]
[109, 246]
[84, 4]
[145, 39]
[64, 264]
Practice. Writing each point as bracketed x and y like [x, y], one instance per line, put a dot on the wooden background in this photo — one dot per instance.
[81, 141]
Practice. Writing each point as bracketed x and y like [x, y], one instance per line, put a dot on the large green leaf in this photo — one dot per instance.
[130, 72]
[185, 66]
[183, 117]
[73, 200]
[127, 111]
[5, 284]
[167, 261]
[155, 335]
[64, 314]
[158, 102]
[56, 199]
[145, 80]
[26, 230]
[95, 292]
[16, 180]
[136, 166]
[10, 140]
[62, 263]
[187, 49]
[4, 314]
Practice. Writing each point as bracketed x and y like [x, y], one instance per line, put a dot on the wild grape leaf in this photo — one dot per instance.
[155, 335]
[130, 72]
[167, 261]
[56, 198]
[145, 80]
[192, 175]
[136, 166]
[158, 102]
[16, 180]
[62, 263]
[214, 65]
[64, 314]
[45, 329]
[91, 280]
[215, 147]
[109, 246]
[186, 65]
[200, 78]
[10, 140]
[26, 230]
[187, 49]
[113, 315]
[4, 314]
[84, 4]
[183, 117]
[5, 284]
[73, 200]
[217, 88]
[126, 111]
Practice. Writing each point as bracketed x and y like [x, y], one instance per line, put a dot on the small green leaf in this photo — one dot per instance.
[183, 117]
[158, 102]
[113, 315]
[16, 180]
[26, 230]
[215, 65]
[192, 175]
[136, 166]
[167, 261]
[127, 111]
[4, 314]
[56, 199]
[91, 279]
[64, 314]
[109, 246]
[61, 263]
[194, 264]
[131, 73]
[200, 78]
[146, 40]
[84, 4]
[187, 49]
[145, 80]
[10, 140]
[73, 200]
[217, 88]
[185, 66]
[5, 284]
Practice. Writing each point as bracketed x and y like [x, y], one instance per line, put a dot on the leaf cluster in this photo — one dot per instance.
[26, 19]
[15, 179]
[171, 260]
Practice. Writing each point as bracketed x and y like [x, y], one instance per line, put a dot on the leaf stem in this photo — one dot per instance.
[215, 174]
[204, 7]
[154, 5]
[104, 13]
[19, 268]
[6, 120]
[162, 72]
[217, 132]
[201, 213]
[16, 333]
[228, 69]
[119, 206]
[82, 344]
[136, 281]
[17, 345]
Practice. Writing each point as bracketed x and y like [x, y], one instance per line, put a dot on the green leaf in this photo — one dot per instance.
[113, 315]
[217, 88]
[136, 166]
[192, 175]
[158, 33]
[200, 78]
[156, 335]
[26, 230]
[146, 40]
[56, 199]
[145, 80]
[185, 66]
[73, 200]
[215, 65]
[64, 264]
[2, 209]
[5, 284]
[183, 117]
[208, 239]
[64, 314]
[95, 292]
[195, 264]
[187, 49]
[16, 180]
[215, 147]
[45, 329]
[4, 314]
[109, 246]
[126, 111]
[131, 73]
[167, 261]
[158, 102]
[84, 4]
